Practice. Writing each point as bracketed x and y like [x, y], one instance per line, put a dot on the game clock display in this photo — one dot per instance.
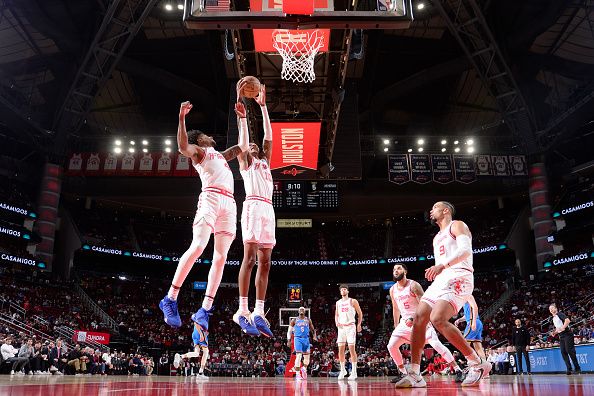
[306, 196]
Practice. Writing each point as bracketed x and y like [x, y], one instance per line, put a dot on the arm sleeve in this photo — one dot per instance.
[267, 126]
[243, 141]
[463, 247]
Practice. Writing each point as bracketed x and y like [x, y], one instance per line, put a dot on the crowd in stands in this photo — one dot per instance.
[117, 226]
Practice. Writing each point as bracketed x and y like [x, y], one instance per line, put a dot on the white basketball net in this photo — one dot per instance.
[299, 50]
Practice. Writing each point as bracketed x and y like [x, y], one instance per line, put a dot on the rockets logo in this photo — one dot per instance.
[293, 172]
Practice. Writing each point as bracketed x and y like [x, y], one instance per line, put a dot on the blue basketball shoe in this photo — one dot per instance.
[243, 320]
[170, 312]
[201, 318]
[262, 324]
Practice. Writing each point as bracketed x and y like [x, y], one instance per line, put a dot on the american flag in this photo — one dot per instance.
[217, 5]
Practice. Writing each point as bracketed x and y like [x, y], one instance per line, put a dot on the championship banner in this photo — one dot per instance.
[295, 149]
[500, 165]
[518, 165]
[90, 336]
[420, 168]
[483, 165]
[443, 169]
[398, 168]
[464, 168]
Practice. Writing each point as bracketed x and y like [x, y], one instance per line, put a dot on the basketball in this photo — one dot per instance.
[251, 88]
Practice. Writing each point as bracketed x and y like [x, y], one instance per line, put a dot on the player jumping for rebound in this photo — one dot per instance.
[453, 282]
[200, 345]
[300, 327]
[216, 213]
[406, 295]
[344, 317]
[257, 227]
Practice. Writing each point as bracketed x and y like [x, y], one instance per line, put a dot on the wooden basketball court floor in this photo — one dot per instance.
[537, 385]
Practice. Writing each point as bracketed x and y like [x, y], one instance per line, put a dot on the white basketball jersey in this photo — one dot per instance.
[346, 311]
[405, 299]
[444, 245]
[214, 171]
[257, 179]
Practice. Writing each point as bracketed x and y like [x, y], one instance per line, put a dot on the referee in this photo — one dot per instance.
[520, 340]
[562, 328]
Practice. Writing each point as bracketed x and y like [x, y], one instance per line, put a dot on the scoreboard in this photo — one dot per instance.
[305, 195]
[294, 293]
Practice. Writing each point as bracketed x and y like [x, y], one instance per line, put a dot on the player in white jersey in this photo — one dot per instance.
[453, 282]
[344, 317]
[405, 295]
[216, 213]
[257, 227]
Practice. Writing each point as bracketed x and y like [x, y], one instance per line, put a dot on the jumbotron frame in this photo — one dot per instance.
[196, 18]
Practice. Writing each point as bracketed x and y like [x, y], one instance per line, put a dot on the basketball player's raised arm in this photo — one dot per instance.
[359, 315]
[243, 140]
[267, 143]
[184, 147]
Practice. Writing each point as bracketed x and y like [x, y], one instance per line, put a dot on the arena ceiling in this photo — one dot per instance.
[411, 83]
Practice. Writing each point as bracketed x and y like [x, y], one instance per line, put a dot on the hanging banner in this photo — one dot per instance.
[182, 166]
[110, 165]
[146, 164]
[164, 164]
[518, 165]
[483, 165]
[398, 168]
[420, 168]
[75, 163]
[295, 152]
[443, 169]
[500, 165]
[93, 163]
[464, 168]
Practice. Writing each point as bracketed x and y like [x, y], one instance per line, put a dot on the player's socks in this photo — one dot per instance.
[243, 304]
[259, 308]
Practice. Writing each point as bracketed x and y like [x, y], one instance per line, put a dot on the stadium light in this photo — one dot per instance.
[386, 141]
[180, 7]
[144, 142]
[444, 142]
[470, 142]
[118, 142]
[421, 142]
[443, 150]
[168, 7]
[456, 142]
[131, 149]
[470, 149]
[457, 149]
[145, 150]
[385, 149]
[410, 150]
[117, 150]
[132, 142]
[420, 6]
[168, 142]
[420, 149]
[167, 149]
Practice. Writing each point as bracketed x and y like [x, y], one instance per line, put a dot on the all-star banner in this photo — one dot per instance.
[295, 149]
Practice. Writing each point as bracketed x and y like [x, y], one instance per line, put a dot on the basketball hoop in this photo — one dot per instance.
[298, 49]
